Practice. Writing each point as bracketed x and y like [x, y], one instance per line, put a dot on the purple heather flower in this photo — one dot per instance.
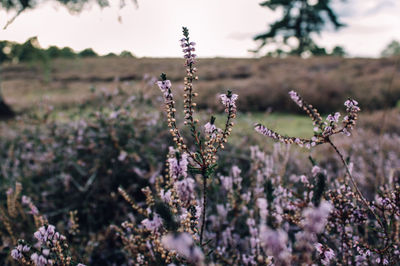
[165, 196]
[185, 190]
[227, 183]
[274, 242]
[48, 233]
[229, 102]
[350, 103]
[315, 219]
[46, 252]
[39, 260]
[26, 200]
[316, 170]
[296, 98]
[183, 244]
[346, 132]
[222, 211]
[248, 260]
[325, 253]
[327, 131]
[211, 130]
[304, 179]
[16, 254]
[164, 86]
[9, 191]
[263, 208]
[177, 167]
[26, 248]
[153, 225]
[333, 118]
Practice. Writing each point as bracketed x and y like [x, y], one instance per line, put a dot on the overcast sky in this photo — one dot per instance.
[220, 27]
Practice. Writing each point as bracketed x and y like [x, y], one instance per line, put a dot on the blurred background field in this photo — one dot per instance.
[262, 83]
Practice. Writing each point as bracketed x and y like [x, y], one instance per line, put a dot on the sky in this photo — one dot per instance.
[222, 28]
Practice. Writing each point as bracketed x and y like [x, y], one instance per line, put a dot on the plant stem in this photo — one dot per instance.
[203, 222]
[355, 185]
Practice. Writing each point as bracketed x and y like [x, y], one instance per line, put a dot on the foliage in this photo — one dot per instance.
[300, 19]
[56, 52]
[392, 49]
[30, 51]
[126, 54]
[80, 164]
[339, 51]
[88, 52]
[72, 5]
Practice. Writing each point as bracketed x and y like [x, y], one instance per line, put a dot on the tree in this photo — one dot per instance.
[392, 49]
[339, 51]
[300, 19]
[126, 54]
[88, 52]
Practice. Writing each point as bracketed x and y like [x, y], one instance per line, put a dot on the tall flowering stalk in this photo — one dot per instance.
[203, 159]
[323, 131]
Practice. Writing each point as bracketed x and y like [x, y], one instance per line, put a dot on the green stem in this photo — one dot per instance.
[203, 222]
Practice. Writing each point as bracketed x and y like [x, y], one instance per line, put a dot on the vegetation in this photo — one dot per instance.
[392, 49]
[326, 81]
[30, 51]
[300, 19]
[102, 182]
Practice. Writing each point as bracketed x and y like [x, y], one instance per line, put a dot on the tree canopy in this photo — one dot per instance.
[73, 5]
[392, 49]
[300, 18]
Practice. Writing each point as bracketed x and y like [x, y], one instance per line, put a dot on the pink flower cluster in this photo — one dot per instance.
[154, 224]
[296, 98]
[229, 101]
[165, 87]
[182, 243]
[48, 233]
[188, 49]
[16, 253]
[41, 260]
[185, 189]
[177, 165]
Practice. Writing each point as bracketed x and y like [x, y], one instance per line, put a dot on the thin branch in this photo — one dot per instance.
[13, 18]
[355, 185]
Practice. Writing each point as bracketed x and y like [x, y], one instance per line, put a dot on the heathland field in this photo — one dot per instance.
[89, 150]
[261, 83]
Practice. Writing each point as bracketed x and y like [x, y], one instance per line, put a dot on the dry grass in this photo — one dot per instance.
[261, 83]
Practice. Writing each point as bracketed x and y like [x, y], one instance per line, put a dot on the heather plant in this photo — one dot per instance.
[177, 189]
[19, 216]
[76, 163]
[346, 211]
[193, 201]
[203, 160]
[260, 215]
